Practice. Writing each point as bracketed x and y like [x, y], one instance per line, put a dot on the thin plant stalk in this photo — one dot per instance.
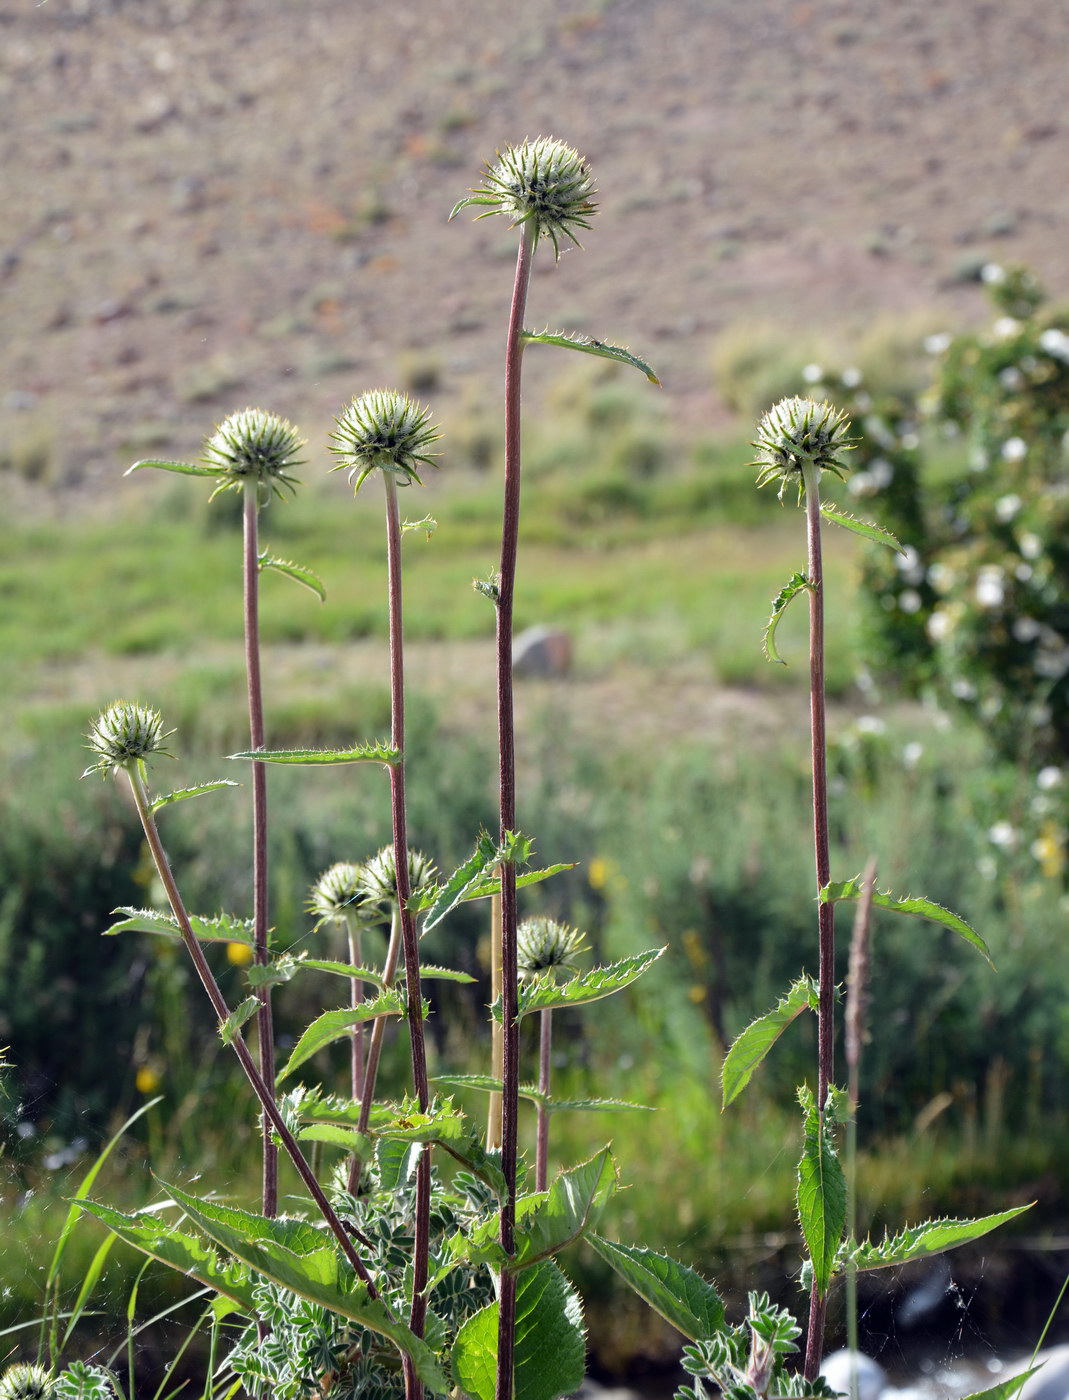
[241, 1050]
[826, 911]
[356, 1039]
[264, 1019]
[856, 1008]
[497, 1045]
[545, 1051]
[378, 1031]
[510, 1099]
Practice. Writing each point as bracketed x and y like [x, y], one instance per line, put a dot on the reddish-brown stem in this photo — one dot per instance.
[826, 912]
[222, 1011]
[510, 533]
[356, 1040]
[264, 1023]
[545, 1051]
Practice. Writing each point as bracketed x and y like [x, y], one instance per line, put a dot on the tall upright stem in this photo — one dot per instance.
[409, 938]
[826, 912]
[510, 530]
[264, 1023]
[356, 1038]
[545, 1052]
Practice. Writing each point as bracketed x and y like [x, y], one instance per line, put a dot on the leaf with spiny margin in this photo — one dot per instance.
[750, 1047]
[186, 468]
[180, 794]
[224, 928]
[1006, 1390]
[916, 908]
[920, 1241]
[426, 970]
[861, 527]
[428, 525]
[682, 1297]
[797, 583]
[297, 1256]
[550, 1341]
[274, 974]
[543, 994]
[185, 1253]
[442, 1122]
[396, 1162]
[332, 1025]
[485, 888]
[547, 1221]
[237, 1018]
[587, 345]
[821, 1194]
[444, 898]
[488, 1084]
[305, 577]
[357, 1144]
[378, 752]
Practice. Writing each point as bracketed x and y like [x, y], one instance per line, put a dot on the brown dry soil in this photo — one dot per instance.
[213, 202]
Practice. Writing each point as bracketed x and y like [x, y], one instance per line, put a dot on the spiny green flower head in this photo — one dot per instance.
[544, 184]
[544, 945]
[124, 735]
[254, 446]
[26, 1382]
[799, 433]
[386, 429]
[379, 881]
[338, 893]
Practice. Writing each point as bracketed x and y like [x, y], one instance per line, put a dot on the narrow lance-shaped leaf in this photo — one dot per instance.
[544, 994]
[428, 525]
[274, 974]
[915, 908]
[921, 1241]
[448, 895]
[359, 753]
[487, 1083]
[186, 468]
[224, 928]
[180, 794]
[750, 1048]
[305, 577]
[821, 1193]
[861, 527]
[587, 345]
[332, 1025]
[237, 1019]
[1006, 1390]
[797, 583]
[483, 889]
[681, 1296]
[363, 974]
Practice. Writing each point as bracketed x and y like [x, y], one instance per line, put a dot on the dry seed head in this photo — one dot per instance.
[544, 945]
[543, 184]
[386, 429]
[253, 446]
[379, 875]
[338, 893]
[798, 433]
[24, 1381]
[124, 735]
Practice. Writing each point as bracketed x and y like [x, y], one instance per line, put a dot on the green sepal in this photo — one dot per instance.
[920, 1241]
[378, 752]
[861, 527]
[682, 1297]
[797, 583]
[186, 468]
[915, 907]
[587, 345]
[332, 1025]
[543, 994]
[180, 794]
[821, 1193]
[237, 1018]
[750, 1047]
[224, 928]
[305, 577]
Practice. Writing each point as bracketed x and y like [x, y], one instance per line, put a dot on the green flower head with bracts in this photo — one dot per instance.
[253, 446]
[546, 946]
[123, 736]
[338, 894]
[543, 184]
[24, 1381]
[384, 429]
[796, 435]
[378, 879]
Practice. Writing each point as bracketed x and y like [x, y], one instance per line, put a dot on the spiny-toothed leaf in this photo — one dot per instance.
[1006, 1390]
[543, 994]
[483, 889]
[274, 974]
[681, 1296]
[332, 1025]
[550, 1340]
[443, 1122]
[861, 527]
[428, 525]
[549, 1220]
[444, 898]
[237, 1019]
[224, 928]
[915, 908]
[750, 1048]
[305, 577]
[359, 753]
[396, 1162]
[180, 794]
[821, 1194]
[299, 1257]
[186, 468]
[357, 1144]
[920, 1241]
[598, 1106]
[185, 1253]
[488, 1084]
[587, 345]
[797, 583]
[362, 974]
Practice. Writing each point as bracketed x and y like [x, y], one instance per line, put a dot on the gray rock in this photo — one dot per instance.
[541, 652]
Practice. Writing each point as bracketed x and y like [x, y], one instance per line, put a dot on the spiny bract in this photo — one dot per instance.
[338, 892]
[254, 446]
[543, 945]
[798, 433]
[387, 429]
[26, 1382]
[542, 183]
[379, 879]
[125, 734]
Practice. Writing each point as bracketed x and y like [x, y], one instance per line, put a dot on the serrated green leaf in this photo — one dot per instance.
[359, 753]
[442, 1123]
[237, 1019]
[362, 974]
[921, 1241]
[549, 1220]
[821, 1194]
[445, 898]
[180, 794]
[183, 1252]
[332, 1025]
[358, 1144]
[750, 1048]
[861, 527]
[396, 1162]
[587, 345]
[914, 907]
[186, 468]
[550, 1340]
[681, 1296]
[299, 1257]
[305, 577]
[1006, 1390]
[428, 525]
[484, 889]
[543, 994]
[274, 974]
[224, 928]
[797, 583]
[488, 1084]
